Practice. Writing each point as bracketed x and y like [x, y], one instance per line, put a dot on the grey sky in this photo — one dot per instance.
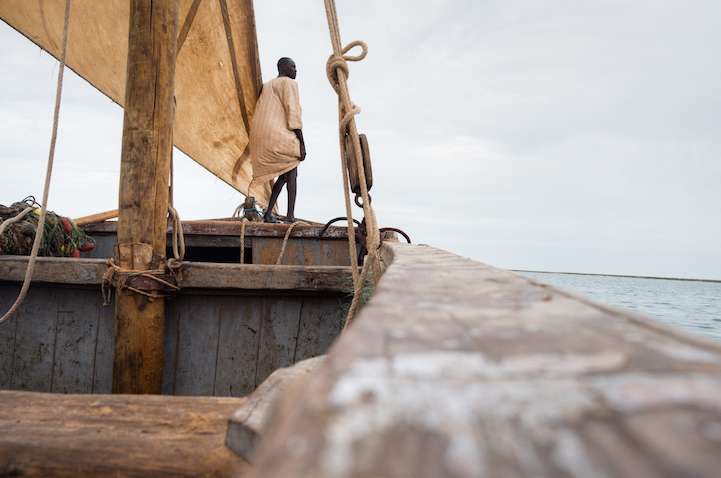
[544, 135]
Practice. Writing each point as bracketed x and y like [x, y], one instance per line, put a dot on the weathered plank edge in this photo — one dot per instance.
[202, 275]
[233, 228]
[608, 405]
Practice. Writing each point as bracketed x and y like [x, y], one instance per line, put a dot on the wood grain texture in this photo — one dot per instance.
[143, 200]
[199, 323]
[249, 422]
[211, 346]
[458, 369]
[103, 373]
[232, 227]
[34, 349]
[75, 342]
[279, 320]
[320, 325]
[8, 294]
[238, 346]
[53, 270]
[115, 435]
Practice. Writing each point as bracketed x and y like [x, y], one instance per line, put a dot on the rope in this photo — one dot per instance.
[337, 71]
[125, 274]
[178, 255]
[48, 174]
[243, 222]
[178, 238]
[15, 219]
[285, 242]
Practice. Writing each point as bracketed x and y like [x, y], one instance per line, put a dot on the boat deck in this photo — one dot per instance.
[120, 435]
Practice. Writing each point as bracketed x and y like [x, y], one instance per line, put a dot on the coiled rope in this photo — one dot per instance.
[48, 174]
[337, 71]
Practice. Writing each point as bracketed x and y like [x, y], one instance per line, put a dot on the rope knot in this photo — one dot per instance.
[336, 62]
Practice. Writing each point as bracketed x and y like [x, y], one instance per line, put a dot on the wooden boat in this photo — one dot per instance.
[454, 368]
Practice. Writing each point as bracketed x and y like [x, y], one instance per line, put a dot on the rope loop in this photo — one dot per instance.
[340, 61]
[349, 116]
[178, 238]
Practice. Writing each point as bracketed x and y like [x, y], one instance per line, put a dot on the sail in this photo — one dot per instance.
[217, 78]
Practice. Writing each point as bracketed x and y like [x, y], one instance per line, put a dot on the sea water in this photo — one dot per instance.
[691, 305]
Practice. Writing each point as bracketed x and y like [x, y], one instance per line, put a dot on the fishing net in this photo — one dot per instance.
[61, 237]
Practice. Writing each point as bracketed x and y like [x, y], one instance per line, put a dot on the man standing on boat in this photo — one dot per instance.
[276, 137]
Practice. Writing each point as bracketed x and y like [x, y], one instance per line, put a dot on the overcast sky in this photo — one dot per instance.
[550, 135]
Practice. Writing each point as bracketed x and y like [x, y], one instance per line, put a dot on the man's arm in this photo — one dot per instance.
[299, 134]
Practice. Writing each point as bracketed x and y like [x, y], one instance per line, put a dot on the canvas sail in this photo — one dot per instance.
[217, 78]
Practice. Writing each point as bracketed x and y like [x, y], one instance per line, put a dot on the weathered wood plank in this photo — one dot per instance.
[198, 329]
[35, 340]
[54, 270]
[278, 335]
[75, 342]
[8, 294]
[115, 435]
[194, 274]
[265, 277]
[458, 369]
[238, 347]
[233, 228]
[320, 324]
[173, 311]
[249, 421]
[103, 373]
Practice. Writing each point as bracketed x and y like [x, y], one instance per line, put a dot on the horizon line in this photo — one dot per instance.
[617, 275]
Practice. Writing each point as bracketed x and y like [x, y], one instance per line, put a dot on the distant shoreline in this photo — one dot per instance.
[614, 275]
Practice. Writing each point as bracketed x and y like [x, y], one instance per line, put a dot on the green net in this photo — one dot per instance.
[61, 237]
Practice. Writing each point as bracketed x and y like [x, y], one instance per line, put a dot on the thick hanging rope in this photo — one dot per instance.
[285, 242]
[337, 71]
[178, 239]
[243, 222]
[48, 174]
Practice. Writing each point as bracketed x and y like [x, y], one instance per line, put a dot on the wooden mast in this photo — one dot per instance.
[145, 161]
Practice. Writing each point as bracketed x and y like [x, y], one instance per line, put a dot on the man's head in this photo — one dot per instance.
[286, 67]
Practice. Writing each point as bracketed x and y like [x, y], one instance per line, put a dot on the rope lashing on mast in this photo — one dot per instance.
[164, 281]
[337, 71]
[48, 174]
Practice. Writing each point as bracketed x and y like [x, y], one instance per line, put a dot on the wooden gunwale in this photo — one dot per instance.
[458, 369]
[51, 270]
[233, 228]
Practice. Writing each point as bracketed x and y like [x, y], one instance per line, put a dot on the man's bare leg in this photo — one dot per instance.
[291, 178]
[282, 179]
